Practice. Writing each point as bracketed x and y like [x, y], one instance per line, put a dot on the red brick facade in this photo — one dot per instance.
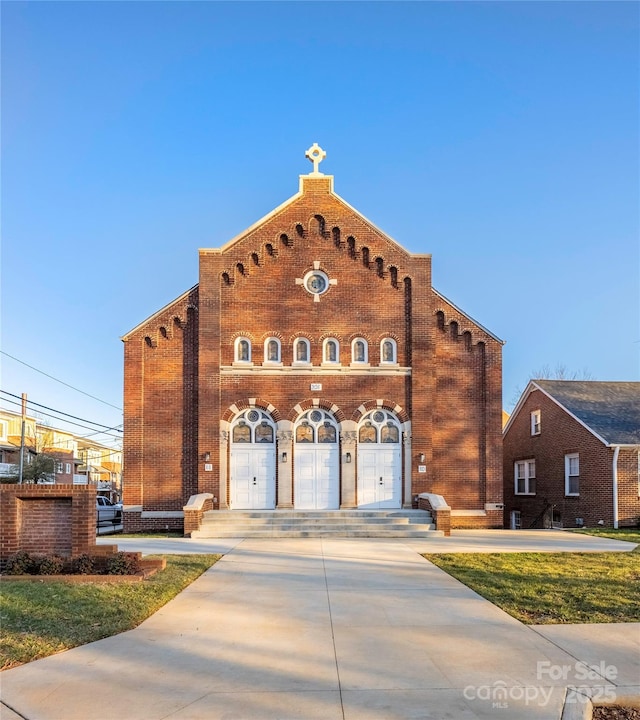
[439, 382]
[46, 519]
[560, 435]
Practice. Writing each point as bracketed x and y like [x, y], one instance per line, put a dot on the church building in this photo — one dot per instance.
[313, 367]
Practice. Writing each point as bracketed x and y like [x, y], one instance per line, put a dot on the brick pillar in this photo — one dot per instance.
[209, 411]
[420, 325]
[133, 451]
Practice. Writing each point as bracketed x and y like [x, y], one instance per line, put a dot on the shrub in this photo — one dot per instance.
[83, 565]
[19, 564]
[48, 565]
[122, 563]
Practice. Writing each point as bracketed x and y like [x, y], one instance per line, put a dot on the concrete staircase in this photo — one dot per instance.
[316, 523]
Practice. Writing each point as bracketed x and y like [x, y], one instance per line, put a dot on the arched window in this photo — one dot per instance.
[301, 351]
[368, 433]
[359, 351]
[241, 433]
[253, 426]
[242, 350]
[264, 432]
[379, 426]
[331, 351]
[388, 352]
[316, 426]
[304, 433]
[272, 350]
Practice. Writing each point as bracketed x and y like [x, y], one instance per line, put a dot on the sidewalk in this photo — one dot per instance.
[316, 628]
[460, 541]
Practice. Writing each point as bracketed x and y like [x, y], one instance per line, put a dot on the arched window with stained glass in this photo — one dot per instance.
[359, 351]
[379, 426]
[272, 350]
[242, 350]
[388, 352]
[331, 351]
[253, 426]
[316, 426]
[301, 351]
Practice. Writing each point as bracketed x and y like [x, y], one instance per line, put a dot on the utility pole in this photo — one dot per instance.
[24, 416]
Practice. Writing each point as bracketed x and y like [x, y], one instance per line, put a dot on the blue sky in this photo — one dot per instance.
[501, 137]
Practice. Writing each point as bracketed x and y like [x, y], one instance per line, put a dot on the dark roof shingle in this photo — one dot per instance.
[610, 409]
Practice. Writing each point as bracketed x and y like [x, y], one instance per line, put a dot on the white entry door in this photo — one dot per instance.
[316, 484]
[253, 485]
[379, 477]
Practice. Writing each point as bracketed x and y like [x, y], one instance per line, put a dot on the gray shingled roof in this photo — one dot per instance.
[610, 409]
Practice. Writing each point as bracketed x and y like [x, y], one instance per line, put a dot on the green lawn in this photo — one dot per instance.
[628, 534]
[546, 588]
[170, 534]
[40, 619]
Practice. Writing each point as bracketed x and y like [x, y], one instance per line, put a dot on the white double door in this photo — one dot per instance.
[379, 476]
[253, 477]
[317, 477]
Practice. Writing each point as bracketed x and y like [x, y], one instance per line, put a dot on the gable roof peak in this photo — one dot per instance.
[610, 409]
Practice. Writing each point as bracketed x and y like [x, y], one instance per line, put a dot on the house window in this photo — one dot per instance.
[525, 477]
[535, 422]
[301, 351]
[67, 468]
[359, 351]
[572, 474]
[272, 350]
[3, 430]
[388, 352]
[59, 468]
[243, 350]
[331, 351]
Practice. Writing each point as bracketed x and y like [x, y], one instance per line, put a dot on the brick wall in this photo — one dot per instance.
[560, 435]
[47, 519]
[629, 487]
[161, 407]
[176, 394]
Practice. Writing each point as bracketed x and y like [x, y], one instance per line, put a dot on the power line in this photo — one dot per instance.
[55, 410]
[22, 362]
[70, 422]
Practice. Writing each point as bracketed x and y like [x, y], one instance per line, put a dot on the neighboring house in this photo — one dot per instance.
[313, 366]
[572, 455]
[68, 451]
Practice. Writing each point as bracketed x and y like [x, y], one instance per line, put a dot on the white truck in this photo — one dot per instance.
[108, 514]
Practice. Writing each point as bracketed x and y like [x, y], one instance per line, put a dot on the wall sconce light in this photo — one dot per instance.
[284, 457]
[421, 457]
[207, 457]
[348, 457]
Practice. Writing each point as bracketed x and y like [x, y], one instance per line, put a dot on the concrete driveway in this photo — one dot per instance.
[317, 628]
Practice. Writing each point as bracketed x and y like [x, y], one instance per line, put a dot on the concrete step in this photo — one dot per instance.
[299, 514]
[318, 532]
[226, 520]
[316, 523]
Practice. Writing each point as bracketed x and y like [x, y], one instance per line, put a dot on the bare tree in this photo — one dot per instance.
[559, 372]
[39, 461]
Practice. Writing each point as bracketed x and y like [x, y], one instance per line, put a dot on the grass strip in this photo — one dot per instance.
[40, 619]
[627, 534]
[551, 588]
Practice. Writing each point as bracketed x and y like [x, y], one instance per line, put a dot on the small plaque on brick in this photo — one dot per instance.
[422, 468]
[208, 467]
[316, 387]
